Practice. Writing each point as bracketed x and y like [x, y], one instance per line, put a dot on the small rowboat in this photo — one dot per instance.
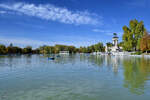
[51, 58]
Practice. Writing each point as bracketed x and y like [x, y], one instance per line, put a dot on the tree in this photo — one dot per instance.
[132, 35]
[71, 49]
[2, 49]
[99, 47]
[145, 43]
[49, 50]
[120, 44]
[9, 50]
[27, 50]
[109, 44]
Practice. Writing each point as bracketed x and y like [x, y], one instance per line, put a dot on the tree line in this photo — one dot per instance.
[99, 47]
[15, 50]
[50, 49]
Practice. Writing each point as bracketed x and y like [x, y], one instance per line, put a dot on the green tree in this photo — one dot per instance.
[48, 50]
[71, 49]
[109, 44]
[99, 47]
[2, 49]
[27, 50]
[120, 44]
[132, 35]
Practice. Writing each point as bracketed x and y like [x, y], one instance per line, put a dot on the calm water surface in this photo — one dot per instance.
[74, 77]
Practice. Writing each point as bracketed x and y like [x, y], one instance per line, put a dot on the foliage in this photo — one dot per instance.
[27, 50]
[2, 49]
[109, 44]
[120, 44]
[13, 50]
[137, 53]
[99, 47]
[145, 43]
[56, 49]
[132, 35]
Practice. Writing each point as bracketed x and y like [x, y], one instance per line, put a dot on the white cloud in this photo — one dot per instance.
[23, 42]
[3, 12]
[101, 31]
[107, 32]
[51, 12]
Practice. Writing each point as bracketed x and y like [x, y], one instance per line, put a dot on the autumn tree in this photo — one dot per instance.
[145, 43]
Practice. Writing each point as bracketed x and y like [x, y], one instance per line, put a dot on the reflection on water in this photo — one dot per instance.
[136, 73]
[74, 77]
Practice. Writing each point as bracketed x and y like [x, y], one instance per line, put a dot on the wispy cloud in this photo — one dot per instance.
[3, 12]
[23, 42]
[101, 31]
[137, 3]
[67, 40]
[51, 12]
[107, 32]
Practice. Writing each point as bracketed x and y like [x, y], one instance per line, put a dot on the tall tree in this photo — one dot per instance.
[145, 43]
[127, 39]
[132, 35]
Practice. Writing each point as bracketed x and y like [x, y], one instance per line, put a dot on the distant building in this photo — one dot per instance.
[115, 47]
[63, 52]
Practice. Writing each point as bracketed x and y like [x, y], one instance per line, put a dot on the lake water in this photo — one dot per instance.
[74, 77]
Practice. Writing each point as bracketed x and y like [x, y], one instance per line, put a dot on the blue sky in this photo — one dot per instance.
[69, 22]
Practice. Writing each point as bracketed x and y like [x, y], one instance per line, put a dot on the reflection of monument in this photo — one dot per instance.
[114, 47]
[115, 64]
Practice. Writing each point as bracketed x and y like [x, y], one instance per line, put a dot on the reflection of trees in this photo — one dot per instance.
[97, 60]
[112, 62]
[28, 59]
[136, 72]
[65, 59]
